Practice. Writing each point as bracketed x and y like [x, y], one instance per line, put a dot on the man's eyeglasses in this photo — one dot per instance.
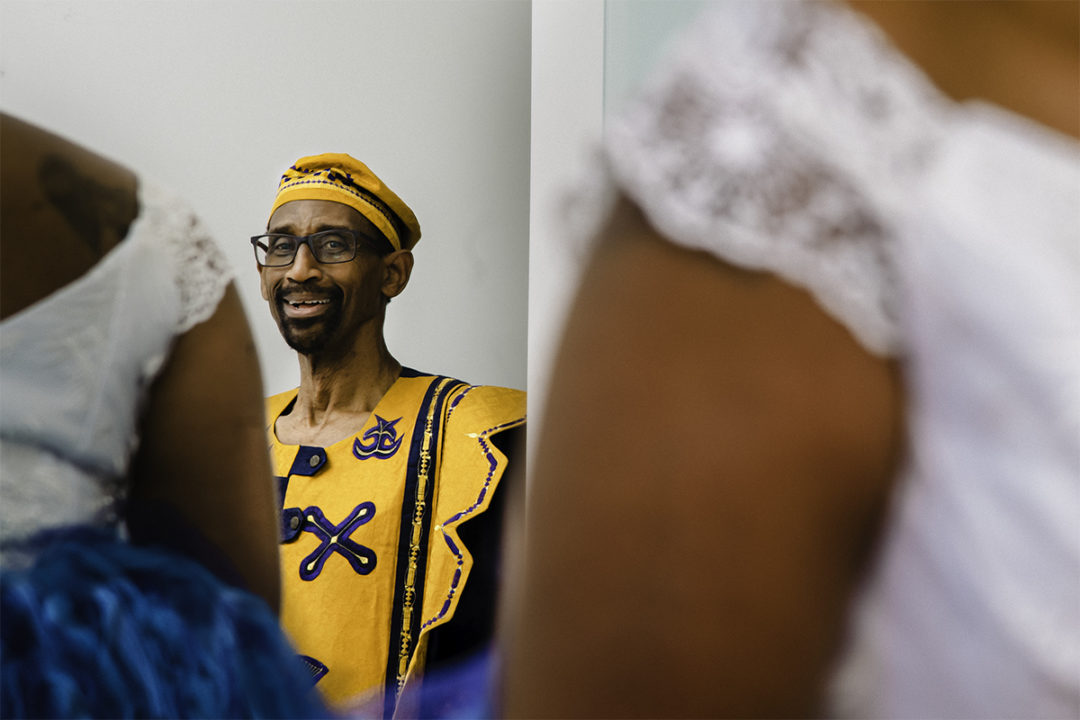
[329, 246]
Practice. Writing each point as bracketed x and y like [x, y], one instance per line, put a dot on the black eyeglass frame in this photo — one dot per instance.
[356, 236]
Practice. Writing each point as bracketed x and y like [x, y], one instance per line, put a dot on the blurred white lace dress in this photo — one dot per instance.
[792, 138]
[90, 624]
[75, 367]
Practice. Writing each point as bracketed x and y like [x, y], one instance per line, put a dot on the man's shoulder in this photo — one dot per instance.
[479, 403]
[487, 408]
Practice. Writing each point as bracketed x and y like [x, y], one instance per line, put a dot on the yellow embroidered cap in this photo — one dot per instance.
[342, 178]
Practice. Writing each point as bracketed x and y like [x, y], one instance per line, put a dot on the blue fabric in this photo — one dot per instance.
[97, 627]
[463, 690]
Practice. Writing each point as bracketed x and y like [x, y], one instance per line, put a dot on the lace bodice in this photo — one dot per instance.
[791, 137]
[730, 151]
[75, 367]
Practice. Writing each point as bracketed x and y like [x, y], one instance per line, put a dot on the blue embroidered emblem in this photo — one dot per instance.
[382, 440]
[335, 538]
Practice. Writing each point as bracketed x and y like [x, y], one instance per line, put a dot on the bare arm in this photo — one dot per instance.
[715, 458]
[203, 452]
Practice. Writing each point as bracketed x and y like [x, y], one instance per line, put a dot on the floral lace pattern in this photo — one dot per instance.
[200, 269]
[771, 142]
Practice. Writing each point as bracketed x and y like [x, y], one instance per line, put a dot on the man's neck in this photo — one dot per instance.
[337, 393]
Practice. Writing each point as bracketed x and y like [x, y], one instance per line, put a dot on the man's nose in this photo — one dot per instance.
[304, 265]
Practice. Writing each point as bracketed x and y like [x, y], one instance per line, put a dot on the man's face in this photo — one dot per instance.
[321, 307]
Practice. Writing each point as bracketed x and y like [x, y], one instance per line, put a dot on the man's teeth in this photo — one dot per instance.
[298, 303]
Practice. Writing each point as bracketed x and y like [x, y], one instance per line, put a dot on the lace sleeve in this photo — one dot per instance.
[200, 270]
[779, 138]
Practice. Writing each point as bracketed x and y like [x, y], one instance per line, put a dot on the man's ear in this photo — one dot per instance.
[262, 288]
[397, 267]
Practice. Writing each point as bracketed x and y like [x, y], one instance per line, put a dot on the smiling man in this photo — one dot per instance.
[389, 477]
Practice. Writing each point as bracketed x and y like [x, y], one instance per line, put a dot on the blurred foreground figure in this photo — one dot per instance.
[138, 532]
[813, 444]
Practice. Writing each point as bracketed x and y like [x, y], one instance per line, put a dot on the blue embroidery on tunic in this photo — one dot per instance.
[382, 440]
[335, 538]
[459, 557]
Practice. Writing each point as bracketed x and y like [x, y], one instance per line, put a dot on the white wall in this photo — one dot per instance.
[214, 98]
[588, 56]
[567, 117]
[637, 34]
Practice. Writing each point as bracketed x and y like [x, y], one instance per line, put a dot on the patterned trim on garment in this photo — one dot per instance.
[414, 536]
[493, 465]
[344, 182]
[458, 399]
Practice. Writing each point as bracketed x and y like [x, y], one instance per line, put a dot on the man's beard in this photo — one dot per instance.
[310, 336]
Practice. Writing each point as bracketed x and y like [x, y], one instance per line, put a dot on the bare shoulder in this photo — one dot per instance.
[64, 207]
[659, 331]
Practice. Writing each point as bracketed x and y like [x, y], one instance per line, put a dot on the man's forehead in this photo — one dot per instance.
[307, 216]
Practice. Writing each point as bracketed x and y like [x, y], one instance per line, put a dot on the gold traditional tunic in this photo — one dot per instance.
[371, 557]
